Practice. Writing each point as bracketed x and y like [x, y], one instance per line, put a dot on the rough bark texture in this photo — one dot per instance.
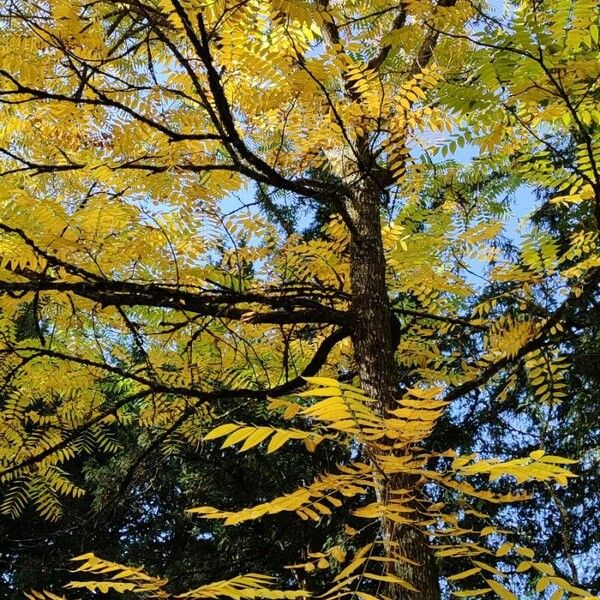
[413, 545]
[374, 352]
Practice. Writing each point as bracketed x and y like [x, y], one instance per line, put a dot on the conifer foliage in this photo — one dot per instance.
[153, 154]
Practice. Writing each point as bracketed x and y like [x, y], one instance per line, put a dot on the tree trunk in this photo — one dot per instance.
[374, 354]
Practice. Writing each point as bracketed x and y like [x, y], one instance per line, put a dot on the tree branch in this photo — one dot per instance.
[314, 365]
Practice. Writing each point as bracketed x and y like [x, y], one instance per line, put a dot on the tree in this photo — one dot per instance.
[128, 130]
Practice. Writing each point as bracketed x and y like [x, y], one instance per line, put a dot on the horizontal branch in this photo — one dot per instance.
[290, 308]
[49, 258]
[37, 168]
[312, 368]
[573, 301]
[101, 100]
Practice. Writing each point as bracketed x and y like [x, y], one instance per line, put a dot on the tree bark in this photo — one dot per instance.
[374, 353]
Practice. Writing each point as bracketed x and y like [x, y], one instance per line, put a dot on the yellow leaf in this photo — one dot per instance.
[365, 596]
[500, 590]
[278, 440]
[461, 461]
[464, 574]
[255, 438]
[355, 564]
[391, 579]
[221, 430]
[338, 553]
[324, 510]
[237, 436]
[309, 513]
[542, 584]
[526, 552]
[87, 556]
[544, 568]
[204, 510]
[488, 568]
[558, 460]
[523, 566]
[291, 411]
[504, 549]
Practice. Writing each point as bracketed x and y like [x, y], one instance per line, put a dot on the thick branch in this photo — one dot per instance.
[289, 307]
[379, 59]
